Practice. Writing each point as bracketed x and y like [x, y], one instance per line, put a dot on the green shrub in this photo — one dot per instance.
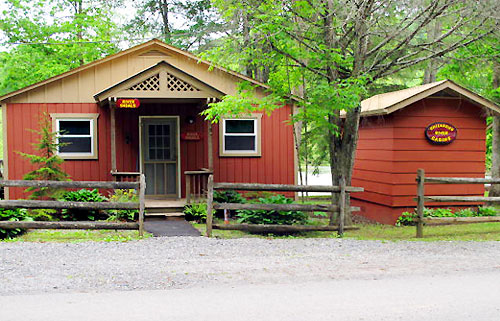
[16, 214]
[487, 211]
[82, 195]
[272, 217]
[408, 218]
[465, 212]
[42, 214]
[227, 196]
[124, 195]
[196, 212]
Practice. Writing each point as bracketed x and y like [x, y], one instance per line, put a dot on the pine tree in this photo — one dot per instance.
[47, 161]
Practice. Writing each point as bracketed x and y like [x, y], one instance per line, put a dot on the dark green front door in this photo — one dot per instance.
[159, 156]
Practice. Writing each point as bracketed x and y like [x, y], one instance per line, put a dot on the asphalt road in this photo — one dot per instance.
[456, 296]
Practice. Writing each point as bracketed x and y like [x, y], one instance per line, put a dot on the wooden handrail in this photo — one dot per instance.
[196, 183]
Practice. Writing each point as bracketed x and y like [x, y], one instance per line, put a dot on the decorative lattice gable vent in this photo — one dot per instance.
[175, 84]
[150, 84]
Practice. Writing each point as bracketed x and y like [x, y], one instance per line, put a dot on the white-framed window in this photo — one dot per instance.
[78, 134]
[240, 136]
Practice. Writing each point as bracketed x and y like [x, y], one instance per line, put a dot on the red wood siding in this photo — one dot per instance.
[23, 117]
[276, 165]
[392, 148]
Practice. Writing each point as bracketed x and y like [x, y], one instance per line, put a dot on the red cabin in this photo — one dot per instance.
[440, 127]
[138, 111]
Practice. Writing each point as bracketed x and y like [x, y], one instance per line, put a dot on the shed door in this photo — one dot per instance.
[159, 155]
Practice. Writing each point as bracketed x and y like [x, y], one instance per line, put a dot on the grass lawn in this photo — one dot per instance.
[465, 232]
[76, 236]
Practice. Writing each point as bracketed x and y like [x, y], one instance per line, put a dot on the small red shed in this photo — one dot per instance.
[440, 127]
[138, 111]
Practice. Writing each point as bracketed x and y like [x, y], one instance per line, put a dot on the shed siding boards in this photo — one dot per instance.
[276, 165]
[391, 148]
[23, 117]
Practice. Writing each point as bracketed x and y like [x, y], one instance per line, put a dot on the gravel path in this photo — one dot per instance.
[180, 262]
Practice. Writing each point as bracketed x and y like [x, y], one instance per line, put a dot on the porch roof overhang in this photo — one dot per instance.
[160, 81]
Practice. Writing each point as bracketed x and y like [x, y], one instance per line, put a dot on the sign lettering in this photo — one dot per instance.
[441, 133]
[128, 103]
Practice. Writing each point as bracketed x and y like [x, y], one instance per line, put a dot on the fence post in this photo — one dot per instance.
[342, 202]
[210, 204]
[142, 205]
[420, 202]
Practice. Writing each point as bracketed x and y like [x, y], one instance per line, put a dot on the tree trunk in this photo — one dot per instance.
[164, 16]
[495, 146]
[433, 32]
[342, 153]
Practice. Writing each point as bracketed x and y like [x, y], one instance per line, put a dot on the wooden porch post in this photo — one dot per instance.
[210, 149]
[113, 139]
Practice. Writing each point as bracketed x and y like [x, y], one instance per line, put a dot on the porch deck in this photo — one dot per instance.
[167, 208]
[165, 203]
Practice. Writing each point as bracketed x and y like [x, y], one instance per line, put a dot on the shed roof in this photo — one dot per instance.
[387, 103]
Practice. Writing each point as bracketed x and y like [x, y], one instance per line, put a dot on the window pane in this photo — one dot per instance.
[236, 143]
[74, 127]
[75, 145]
[239, 126]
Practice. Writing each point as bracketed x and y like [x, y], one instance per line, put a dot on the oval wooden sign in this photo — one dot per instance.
[127, 103]
[441, 133]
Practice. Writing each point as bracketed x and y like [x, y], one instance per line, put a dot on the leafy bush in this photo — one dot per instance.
[124, 195]
[227, 196]
[272, 217]
[196, 212]
[82, 195]
[16, 214]
[42, 214]
[488, 211]
[408, 218]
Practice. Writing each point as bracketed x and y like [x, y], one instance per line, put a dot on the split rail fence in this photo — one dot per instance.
[139, 186]
[340, 208]
[421, 199]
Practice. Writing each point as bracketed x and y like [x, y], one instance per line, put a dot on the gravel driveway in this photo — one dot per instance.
[180, 262]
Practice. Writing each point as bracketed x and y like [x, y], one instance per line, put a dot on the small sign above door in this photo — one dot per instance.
[128, 103]
[191, 136]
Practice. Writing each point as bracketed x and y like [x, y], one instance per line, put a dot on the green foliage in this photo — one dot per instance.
[228, 196]
[16, 214]
[488, 211]
[408, 218]
[272, 217]
[42, 214]
[196, 212]
[82, 195]
[46, 161]
[124, 195]
[52, 36]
